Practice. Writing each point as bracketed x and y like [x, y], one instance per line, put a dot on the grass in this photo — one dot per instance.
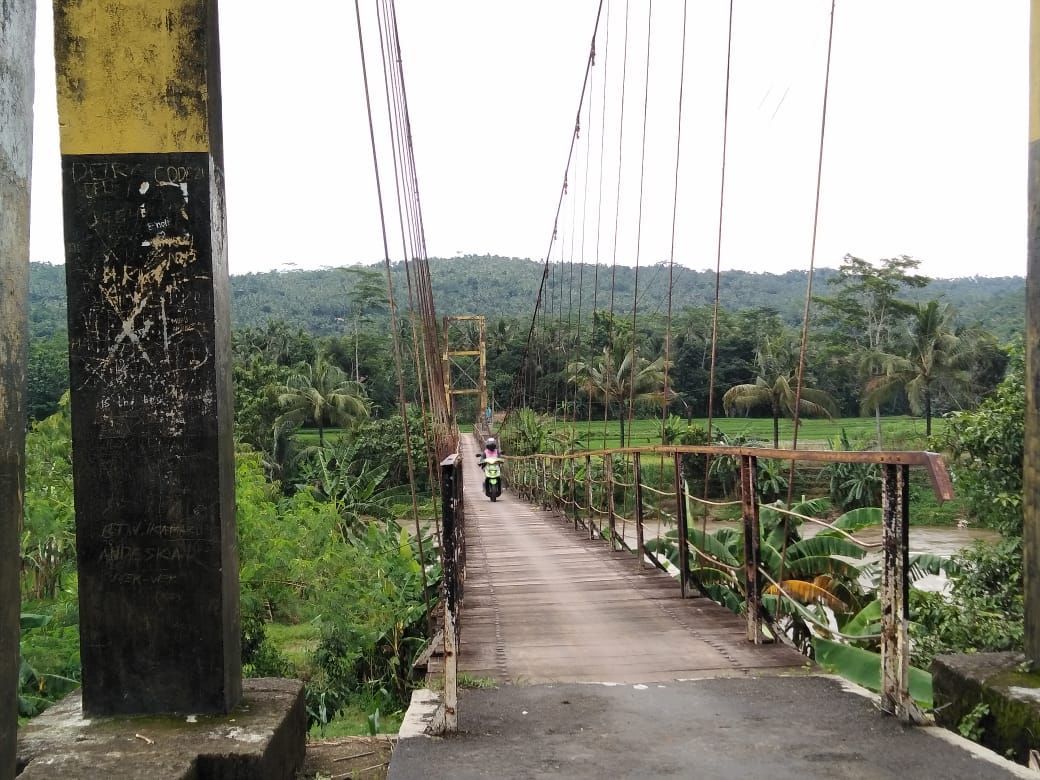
[297, 642]
[354, 722]
[902, 432]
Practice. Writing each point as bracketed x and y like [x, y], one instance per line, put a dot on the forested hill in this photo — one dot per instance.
[318, 301]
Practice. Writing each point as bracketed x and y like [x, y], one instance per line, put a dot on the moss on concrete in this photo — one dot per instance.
[1003, 683]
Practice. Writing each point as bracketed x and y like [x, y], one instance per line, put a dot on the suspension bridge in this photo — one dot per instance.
[590, 571]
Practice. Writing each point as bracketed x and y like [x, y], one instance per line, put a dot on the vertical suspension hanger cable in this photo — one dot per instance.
[446, 437]
[394, 119]
[639, 225]
[576, 340]
[545, 270]
[393, 312]
[675, 209]
[599, 207]
[617, 214]
[799, 381]
[718, 240]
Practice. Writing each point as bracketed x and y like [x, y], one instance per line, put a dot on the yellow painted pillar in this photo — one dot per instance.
[17, 24]
[1031, 473]
[149, 336]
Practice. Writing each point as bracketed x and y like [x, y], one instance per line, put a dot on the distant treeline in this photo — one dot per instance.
[318, 301]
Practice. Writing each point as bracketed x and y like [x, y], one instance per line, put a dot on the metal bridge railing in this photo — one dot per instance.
[453, 561]
[614, 491]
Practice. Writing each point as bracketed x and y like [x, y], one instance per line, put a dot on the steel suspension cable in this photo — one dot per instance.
[446, 438]
[393, 313]
[718, 242]
[799, 382]
[639, 224]
[675, 210]
[393, 109]
[816, 223]
[612, 380]
[584, 223]
[559, 205]
[599, 205]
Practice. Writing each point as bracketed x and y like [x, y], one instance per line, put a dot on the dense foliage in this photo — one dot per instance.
[329, 552]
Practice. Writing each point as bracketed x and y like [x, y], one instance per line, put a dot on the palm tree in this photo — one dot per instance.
[775, 388]
[320, 392]
[937, 359]
[633, 379]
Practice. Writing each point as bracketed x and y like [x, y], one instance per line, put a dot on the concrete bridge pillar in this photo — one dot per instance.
[146, 268]
[1031, 471]
[17, 26]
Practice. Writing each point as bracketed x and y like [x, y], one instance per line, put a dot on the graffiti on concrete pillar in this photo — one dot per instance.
[138, 284]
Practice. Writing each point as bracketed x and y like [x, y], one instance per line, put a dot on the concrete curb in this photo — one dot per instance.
[951, 737]
[424, 715]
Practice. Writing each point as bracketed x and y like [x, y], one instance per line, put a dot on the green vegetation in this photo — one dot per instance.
[334, 589]
[907, 432]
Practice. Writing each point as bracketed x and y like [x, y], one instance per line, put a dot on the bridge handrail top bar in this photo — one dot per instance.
[932, 461]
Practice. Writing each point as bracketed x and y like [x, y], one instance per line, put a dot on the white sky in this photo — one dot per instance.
[925, 151]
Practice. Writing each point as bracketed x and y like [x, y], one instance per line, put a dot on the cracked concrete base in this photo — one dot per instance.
[263, 738]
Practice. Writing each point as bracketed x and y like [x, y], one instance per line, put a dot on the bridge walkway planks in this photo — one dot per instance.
[545, 604]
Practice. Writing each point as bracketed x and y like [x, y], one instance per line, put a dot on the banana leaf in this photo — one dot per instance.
[809, 593]
[812, 565]
[864, 668]
[866, 621]
[727, 598]
[854, 520]
[707, 575]
[924, 564]
[821, 545]
[711, 545]
[664, 548]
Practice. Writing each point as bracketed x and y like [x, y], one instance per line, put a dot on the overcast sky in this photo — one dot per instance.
[925, 150]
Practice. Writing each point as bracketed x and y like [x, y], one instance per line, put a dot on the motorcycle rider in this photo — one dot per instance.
[491, 454]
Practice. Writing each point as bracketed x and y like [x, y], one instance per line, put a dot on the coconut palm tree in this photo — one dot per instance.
[938, 358]
[775, 387]
[613, 383]
[320, 392]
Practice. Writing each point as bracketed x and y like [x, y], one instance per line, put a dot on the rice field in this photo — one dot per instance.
[901, 432]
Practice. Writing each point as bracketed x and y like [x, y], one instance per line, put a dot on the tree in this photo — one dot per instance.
[367, 299]
[321, 392]
[47, 374]
[936, 360]
[775, 387]
[864, 314]
[986, 445]
[612, 382]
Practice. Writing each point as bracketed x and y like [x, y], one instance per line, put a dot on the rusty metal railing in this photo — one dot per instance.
[453, 561]
[605, 490]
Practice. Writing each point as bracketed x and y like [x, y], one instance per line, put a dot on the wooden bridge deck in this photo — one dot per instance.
[544, 603]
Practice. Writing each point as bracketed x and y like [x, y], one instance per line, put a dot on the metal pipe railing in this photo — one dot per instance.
[533, 474]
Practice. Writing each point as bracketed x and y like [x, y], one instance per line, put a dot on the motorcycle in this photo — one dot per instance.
[492, 477]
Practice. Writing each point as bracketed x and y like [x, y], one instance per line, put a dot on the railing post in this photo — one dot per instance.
[749, 506]
[637, 476]
[588, 493]
[608, 464]
[543, 483]
[895, 615]
[453, 552]
[680, 519]
[573, 494]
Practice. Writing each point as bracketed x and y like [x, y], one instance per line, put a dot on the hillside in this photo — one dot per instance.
[506, 287]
